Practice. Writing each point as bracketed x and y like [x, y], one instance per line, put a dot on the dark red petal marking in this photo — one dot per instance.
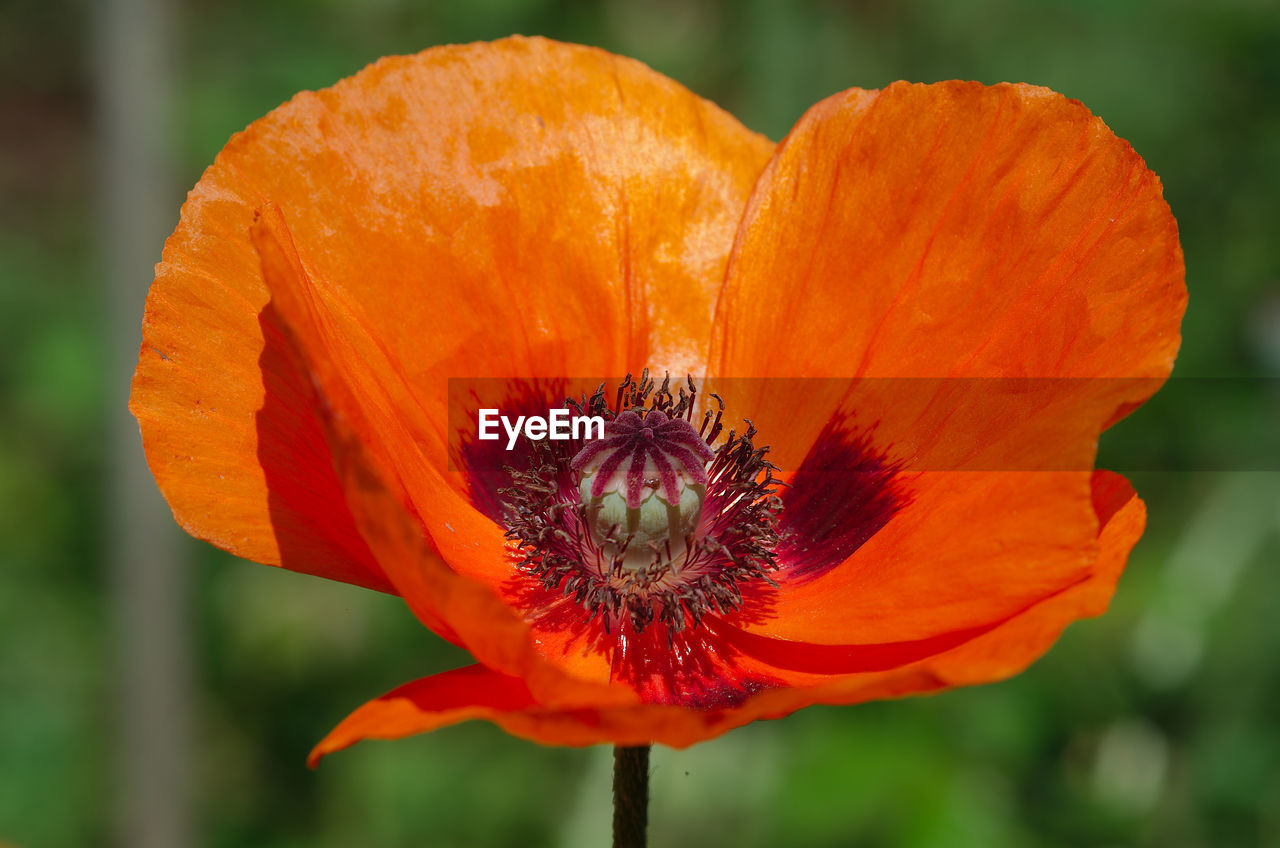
[843, 493]
[843, 659]
[484, 462]
[469, 686]
[693, 667]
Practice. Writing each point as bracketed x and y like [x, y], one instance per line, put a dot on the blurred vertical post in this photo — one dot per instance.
[136, 211]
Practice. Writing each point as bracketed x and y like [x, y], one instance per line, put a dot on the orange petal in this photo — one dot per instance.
[516, 208]
[1002, 651]
[813, 672]
[954, 230]
[969, 549]
[477, 692]
[932, 506]
[227, 413]
[1012, 647]
[442, 699]
[404, 511]
[1016, 643]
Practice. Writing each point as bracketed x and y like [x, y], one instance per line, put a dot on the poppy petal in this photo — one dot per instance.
[437, 701]
[969, 550]
[515, 208]
[947, 231]
[404, 512]
[953, 230]
[1013, 646]
[225, 410]
[1010, 647]
[963, 656]
[477, 692]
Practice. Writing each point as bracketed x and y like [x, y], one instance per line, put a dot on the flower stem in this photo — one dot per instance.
[630, 796]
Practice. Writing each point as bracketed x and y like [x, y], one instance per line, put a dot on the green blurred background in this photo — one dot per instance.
[1153, 726]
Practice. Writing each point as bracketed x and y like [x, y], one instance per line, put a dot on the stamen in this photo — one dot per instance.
[649, 521]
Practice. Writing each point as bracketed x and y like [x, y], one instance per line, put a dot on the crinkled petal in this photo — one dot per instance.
[950, 230]
[518, 208]
[1010, 647]
[476, 692]
[984, 279]
[409, 519]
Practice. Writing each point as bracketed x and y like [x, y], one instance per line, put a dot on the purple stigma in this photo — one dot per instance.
[635, 453]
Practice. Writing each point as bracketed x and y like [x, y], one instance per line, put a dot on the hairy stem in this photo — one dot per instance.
[630, 796]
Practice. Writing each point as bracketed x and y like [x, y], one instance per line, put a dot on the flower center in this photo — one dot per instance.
[643, 486]
[657, 520]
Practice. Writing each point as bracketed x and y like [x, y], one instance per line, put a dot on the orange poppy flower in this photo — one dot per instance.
[518, 215]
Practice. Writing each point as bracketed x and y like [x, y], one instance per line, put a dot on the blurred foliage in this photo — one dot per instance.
[1154, 725]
